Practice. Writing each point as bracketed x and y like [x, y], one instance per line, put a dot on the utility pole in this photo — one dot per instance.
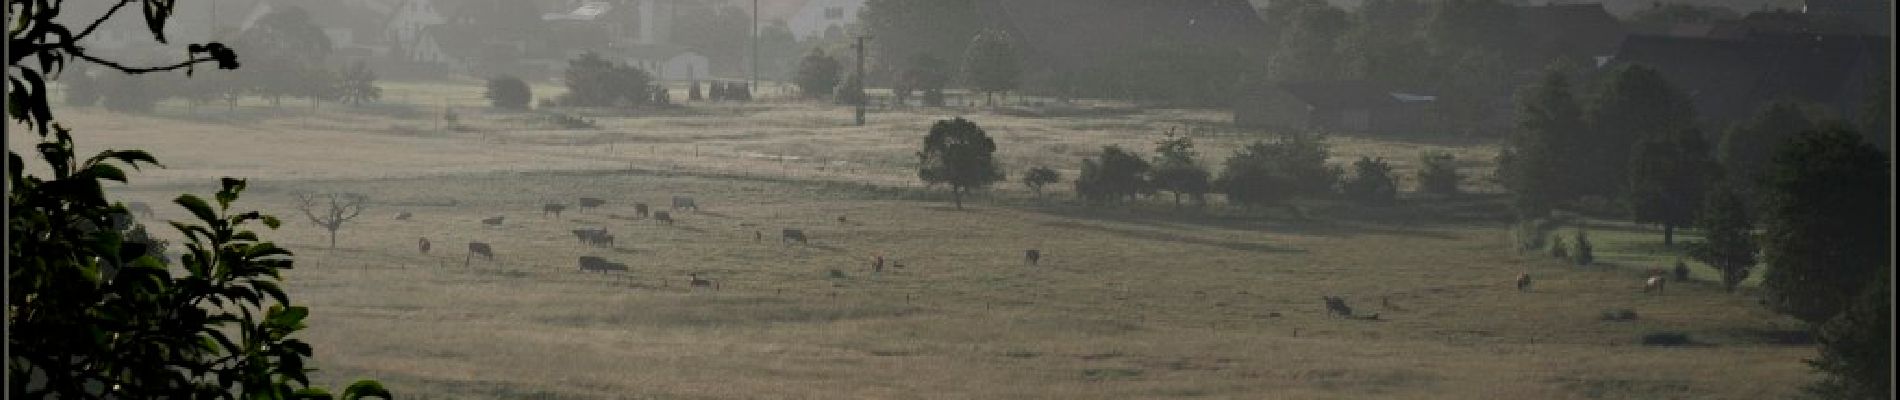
[754, 86]
[862, 97]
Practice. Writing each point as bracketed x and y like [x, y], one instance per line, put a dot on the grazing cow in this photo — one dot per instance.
[496, 221]
[877, 263]
[1337, 306]
[1654, 283]
[789, 235]
[404, 216]
[841, 219]
[478, 248]
[597, 264]
[1523, 281]
[663, 216]
[597, 237]
[701, 283]
[1032, 256]
[589, 202]
[422, 244]
[680, 202]
[140, 208]
[553, 208]
[640, 209]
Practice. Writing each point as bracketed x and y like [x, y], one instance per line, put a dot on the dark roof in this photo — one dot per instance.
[1072, 34]
[1728, 79]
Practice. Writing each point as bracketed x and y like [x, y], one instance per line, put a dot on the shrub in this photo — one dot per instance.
[817, 74]
[1438, 173]
[508, 92]
[1113, 175]
[1558, 249]
[1583, 255]
[1666, 339]
[1372, 182]
[1036, 178]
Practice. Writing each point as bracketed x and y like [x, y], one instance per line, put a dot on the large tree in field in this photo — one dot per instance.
[1668, 175]
[1270, 172]
[991, 65]
[283, 48]
[1746, 149]
[1536, 159]
[1827, 208]
[817, 74]
[93, 311]
[959, 154]
[1728, 236]
[1632, 103]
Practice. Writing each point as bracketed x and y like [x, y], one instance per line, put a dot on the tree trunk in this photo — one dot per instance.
[332, 238]
[956, 196]
[1669, 234]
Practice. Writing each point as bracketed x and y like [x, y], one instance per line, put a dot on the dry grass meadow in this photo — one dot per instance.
[1128, 302]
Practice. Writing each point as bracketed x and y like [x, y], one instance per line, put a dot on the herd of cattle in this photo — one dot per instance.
[598, 237]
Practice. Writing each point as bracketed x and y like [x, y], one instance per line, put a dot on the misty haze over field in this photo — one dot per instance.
[586, 199]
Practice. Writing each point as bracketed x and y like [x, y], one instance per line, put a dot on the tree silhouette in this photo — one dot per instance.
[358, 85]
[331, 210]
[960, 154]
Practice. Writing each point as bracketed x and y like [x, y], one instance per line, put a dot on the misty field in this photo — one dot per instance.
[1137, 301]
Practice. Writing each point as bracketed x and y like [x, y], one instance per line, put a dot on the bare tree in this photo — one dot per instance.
[343, 207]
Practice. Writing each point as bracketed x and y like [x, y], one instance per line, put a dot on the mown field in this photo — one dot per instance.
[1141, 301]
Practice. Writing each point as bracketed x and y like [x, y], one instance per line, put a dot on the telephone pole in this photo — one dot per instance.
[755, 47]
[862, 97]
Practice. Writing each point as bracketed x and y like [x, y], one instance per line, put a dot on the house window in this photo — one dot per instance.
[832, 13]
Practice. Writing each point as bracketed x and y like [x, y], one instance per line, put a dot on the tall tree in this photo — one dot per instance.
[724, 32]
[990, 65]
[1826, 200]
[817, 74]
[1632, 103]
[1308, 50]
[1668, 175]
[959, 154]
[1456, 27]
[1036, 178]
[358, 85]
[1857, 346]
[92, 313]
[903, 28]
[1177, 171]
[1728, 236]
[1746, 148]
[283, 47]
[1382, 44]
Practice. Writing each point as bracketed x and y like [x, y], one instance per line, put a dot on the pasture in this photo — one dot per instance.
[1126, 302]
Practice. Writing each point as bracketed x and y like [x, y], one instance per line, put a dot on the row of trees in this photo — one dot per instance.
[991, 66]
[957, 153]
[1786, 189]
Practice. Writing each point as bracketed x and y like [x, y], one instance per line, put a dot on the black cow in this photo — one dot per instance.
[640, 209]
[683, 202]
[1032, 256]
[663, 216]
[597, 264]
[589, 202]
[422, 244]
[789, 235]
[496, 221]
[478, 248]
[552, 208]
